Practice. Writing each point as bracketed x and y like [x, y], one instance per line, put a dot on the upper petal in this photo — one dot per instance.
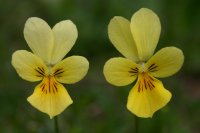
[120, 71]
[71, 69]
[147, 96]
[65, 35]
[145, 27]
[39, 37]
[29, 66]
[165, 62]
[119, 33]
[50, 97]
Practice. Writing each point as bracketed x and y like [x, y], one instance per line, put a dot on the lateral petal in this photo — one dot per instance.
[39, 37]
[71, 69]
[50, 97]
[145, 27]
[65, 35]
[29, 66]
[147, 96]
[120, 71]
[119, 33]
[165, 62]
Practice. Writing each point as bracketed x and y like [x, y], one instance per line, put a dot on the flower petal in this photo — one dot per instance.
[165, 62]
[147, 96]
[120, 35]
[39, 37]
[50, 97]
[120, 71]
[65, 35]
[71, 69]
[29, 66]
[145, 27]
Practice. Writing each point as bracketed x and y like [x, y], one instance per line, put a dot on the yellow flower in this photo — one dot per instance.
[136, 41]
[49, 46]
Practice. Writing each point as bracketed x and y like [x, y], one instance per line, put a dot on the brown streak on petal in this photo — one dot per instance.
[133, 70]
[151, 78]
[57, 70]
[151, 69]
[139, 87]
[149, 85]
[142, 87]
[55, 87]
[41, 84]
[39, 72]
[133, 75]
[49, 84]
[152, 84]
[41, 69]
[151, 66]
[43, 87]
[59, 73]
[145, 84]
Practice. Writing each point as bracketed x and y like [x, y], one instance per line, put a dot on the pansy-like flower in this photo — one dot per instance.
[136, 41]
[49, 46]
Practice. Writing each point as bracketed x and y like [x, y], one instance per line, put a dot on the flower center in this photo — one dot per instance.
[49, 85]
[41, 72]
[49, 71]
[142, 64]
[145, 82]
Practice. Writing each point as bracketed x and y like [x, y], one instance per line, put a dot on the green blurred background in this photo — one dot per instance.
[98, 106]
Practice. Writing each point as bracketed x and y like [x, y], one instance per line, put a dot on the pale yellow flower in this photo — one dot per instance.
[136, 41]
[49, 46]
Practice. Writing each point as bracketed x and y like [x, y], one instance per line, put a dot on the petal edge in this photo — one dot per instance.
[39, 38]
[27, 64]
[145, 28]
[120, 71]
[50, 97]
[168, 60]
[146, 102]
[120, 35]
[65, 35]
[71, 70]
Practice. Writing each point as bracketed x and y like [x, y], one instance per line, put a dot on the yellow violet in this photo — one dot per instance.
[136, 41]
[49, 46]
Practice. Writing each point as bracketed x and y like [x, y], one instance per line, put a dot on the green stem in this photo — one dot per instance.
[56, 124]
[136, 124]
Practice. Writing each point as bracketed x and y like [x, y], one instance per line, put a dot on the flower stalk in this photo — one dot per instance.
[136, 124]
[56, 124]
